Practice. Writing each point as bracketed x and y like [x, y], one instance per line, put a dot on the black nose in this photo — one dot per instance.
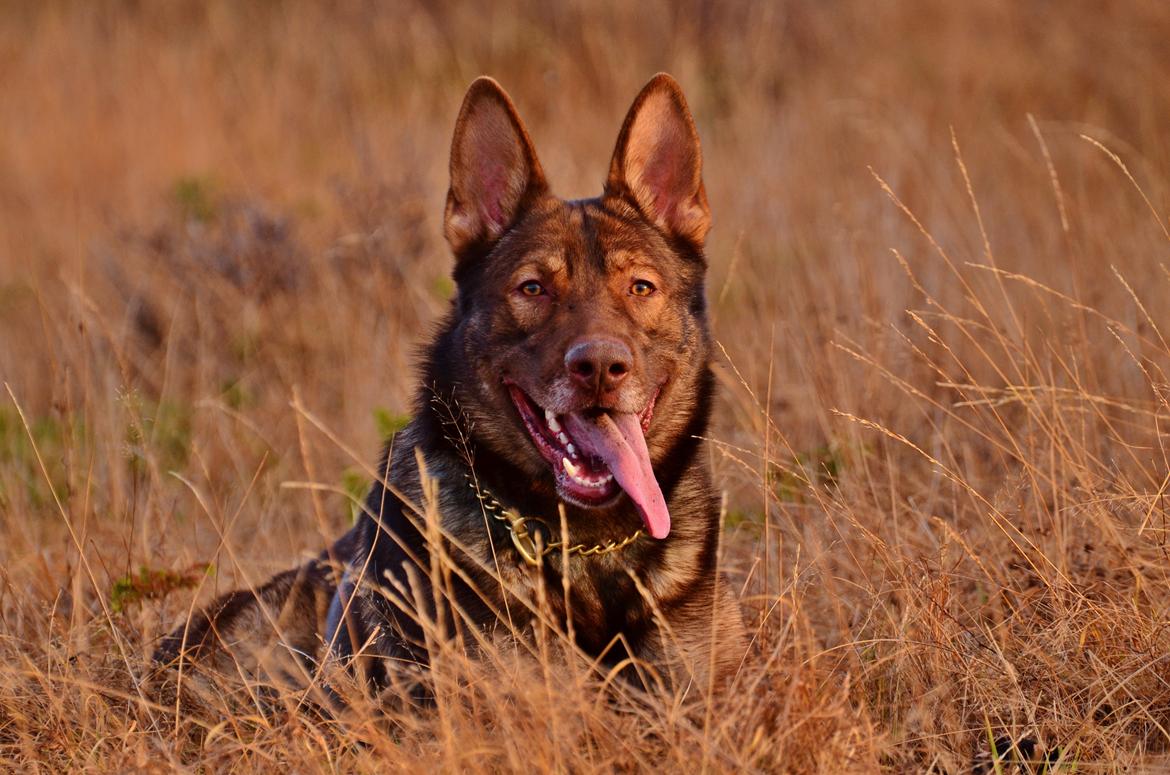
[594, 363]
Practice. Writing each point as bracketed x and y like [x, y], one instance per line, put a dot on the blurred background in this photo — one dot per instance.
[937, 276]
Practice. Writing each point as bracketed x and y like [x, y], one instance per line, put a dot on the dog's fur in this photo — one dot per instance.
[665, 598]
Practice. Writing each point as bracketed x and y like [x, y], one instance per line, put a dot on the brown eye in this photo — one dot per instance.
[642, 288]
[531, 288]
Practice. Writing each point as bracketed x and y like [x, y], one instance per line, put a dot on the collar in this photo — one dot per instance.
[527, 538]
[525, 532]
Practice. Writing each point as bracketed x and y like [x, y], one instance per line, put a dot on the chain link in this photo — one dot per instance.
[527, 544]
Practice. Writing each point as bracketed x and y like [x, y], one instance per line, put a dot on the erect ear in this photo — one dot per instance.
[494, 169]
[658, 164]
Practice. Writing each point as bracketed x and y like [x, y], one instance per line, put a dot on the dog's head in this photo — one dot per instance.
[581, 325]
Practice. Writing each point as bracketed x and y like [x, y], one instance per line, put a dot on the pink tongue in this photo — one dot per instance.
[617, 439]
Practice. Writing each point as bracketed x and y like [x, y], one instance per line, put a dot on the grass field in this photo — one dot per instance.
[939, 280]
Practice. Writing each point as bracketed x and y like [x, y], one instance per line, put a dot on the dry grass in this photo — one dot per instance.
[938, 272]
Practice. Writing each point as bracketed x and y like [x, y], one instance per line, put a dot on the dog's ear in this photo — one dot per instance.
[494, 169]
[658, 164]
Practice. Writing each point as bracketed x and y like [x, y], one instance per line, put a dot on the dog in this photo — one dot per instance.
[568, 388]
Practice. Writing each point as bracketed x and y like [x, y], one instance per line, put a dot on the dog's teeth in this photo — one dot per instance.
[563, 438]
[572, 470]
[551, 419]
[572, 450]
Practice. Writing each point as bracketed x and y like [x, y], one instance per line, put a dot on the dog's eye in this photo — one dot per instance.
[642, 288]
[531, 288]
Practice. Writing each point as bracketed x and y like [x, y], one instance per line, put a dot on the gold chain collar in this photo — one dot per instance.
[526, 542]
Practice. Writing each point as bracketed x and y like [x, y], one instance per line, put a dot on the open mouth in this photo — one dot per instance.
[595, 455]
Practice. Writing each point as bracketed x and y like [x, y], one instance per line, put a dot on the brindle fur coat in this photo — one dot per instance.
[665, 598]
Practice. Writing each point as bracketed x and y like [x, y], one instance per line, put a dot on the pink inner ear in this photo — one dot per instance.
[490, 169]
[660, 177]
[659, 162]
[493, 182]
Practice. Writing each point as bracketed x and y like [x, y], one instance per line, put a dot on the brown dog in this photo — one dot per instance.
[570, 373]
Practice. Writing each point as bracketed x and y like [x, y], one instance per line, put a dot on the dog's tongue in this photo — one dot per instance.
[617, 439]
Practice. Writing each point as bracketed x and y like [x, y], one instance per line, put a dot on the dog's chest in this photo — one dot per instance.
[598, 597]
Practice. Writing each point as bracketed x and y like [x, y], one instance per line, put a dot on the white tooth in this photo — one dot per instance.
[551, 419]
[572, 449]
[563, 438]
[570, 469]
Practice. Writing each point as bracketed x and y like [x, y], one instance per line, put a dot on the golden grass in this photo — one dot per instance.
[938, 276]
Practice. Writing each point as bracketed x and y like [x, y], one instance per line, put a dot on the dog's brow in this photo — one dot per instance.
[619, 258]
[555, 262]
[552, 261]
[624, 248]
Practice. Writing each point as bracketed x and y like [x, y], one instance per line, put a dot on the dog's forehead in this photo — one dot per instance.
[594, 235]
[583, 237]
